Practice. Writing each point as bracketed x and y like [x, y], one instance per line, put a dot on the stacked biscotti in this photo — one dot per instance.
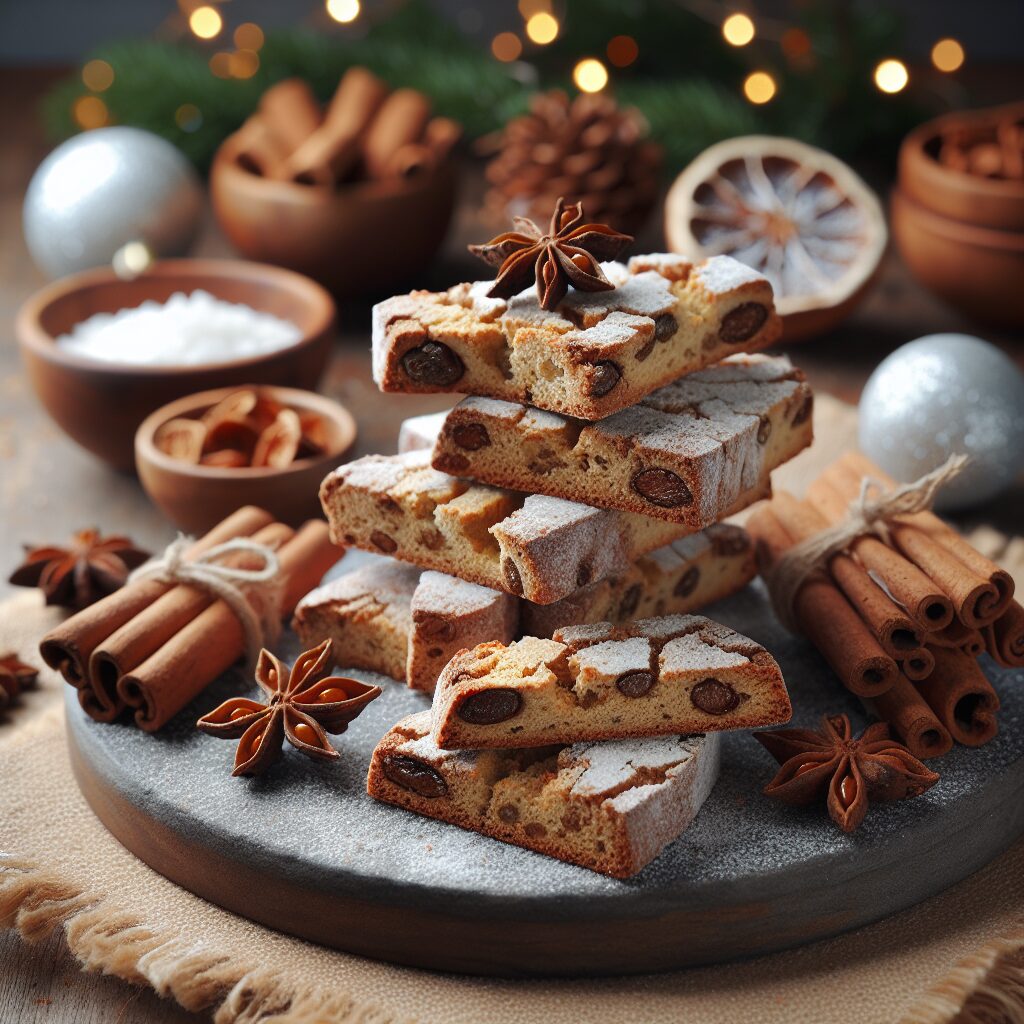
[545, 535]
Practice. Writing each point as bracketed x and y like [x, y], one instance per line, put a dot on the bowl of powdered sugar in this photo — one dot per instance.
[102, 353]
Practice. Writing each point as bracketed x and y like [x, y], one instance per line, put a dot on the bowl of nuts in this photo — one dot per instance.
[201, 457]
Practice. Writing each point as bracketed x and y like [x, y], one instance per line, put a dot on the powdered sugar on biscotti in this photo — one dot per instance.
[612, 766]
[723, 274]
[645, 294]
[448, 595]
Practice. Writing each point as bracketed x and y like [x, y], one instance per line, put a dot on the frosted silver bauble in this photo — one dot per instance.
[946, 394]
[105, 188]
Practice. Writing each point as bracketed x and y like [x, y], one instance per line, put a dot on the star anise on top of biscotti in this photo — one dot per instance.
[303, 705]
[568, 254]
[854, 773]
[78, 575]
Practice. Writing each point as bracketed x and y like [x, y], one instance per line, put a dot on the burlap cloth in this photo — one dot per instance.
[957, 956]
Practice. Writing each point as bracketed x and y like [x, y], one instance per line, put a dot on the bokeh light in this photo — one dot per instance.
[343, 11]
[248, 36]
[738, 30]
[98, 75]
[759, 87]
[220, 64]
[542, 28]
[506, 46]
[188, 117]
[206, 22]
[622, 51]
[243, 63]
[590, 75]
[948, 55]
[528, 8]
[891, 75]
[795, 43]
[90, 112]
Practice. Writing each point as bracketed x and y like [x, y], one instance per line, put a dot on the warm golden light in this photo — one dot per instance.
[506, 46]
[622, 51]
[98, 75]
[243, 63]
[188, 117]
[590, 75]
[542, 28]
[90, 112]
[205, 22]
[528, 8]
[891, 75]
[759, 87]
[220, 64]
[738, 30]
[948, 55]
[248, 36]
[343, 10]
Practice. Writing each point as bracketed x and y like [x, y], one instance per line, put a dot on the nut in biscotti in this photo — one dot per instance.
[596, 354]
[610, 807]
[685, 453]
[680, 673]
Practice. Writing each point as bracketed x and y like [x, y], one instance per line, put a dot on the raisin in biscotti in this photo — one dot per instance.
[611, 807]
[680, 673]
[686, 453]
[532, 546]
[599, 352]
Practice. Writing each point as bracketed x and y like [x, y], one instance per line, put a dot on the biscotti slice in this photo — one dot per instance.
[679, 673]
[680, 577]
[449, 615]
[532, 546]
[598, 353]
[610, 807]
[368, 615]
[686, 453]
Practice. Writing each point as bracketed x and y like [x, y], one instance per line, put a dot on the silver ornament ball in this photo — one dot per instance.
[946, 394]
[105, 188]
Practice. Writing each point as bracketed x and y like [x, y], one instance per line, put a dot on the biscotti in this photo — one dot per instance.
[611, 807]
[680, 673]
[368, 615]
[532, 546]
[685, 453]
[598, 353]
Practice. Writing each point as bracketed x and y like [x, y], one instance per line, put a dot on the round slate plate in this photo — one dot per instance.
[304, 850]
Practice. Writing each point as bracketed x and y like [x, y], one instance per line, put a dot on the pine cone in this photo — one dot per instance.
[588, 150]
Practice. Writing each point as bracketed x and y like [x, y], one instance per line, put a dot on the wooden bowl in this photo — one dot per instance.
[366, 237]
[101, 404]
[979, 270]
[195, 498]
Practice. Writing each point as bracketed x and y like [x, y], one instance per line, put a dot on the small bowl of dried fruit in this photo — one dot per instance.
[201, 457]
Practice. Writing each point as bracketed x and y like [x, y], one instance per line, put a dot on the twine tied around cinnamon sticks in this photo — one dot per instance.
[866, 515]
[230, 583]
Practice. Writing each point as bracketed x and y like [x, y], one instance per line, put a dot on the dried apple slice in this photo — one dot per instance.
[279, 443]
[181, 439]
[796, 213]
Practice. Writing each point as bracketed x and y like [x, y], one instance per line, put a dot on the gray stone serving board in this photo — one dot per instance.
[750, 875]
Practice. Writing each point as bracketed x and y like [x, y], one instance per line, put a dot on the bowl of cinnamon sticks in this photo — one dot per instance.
[358, 194]
[201, 457]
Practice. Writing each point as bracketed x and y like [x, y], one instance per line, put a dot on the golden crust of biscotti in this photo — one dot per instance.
[596, 354]
[680, 673]
[685, 453]
[610, 807]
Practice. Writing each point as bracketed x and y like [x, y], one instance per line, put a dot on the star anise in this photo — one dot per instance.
[304, 705]
[15, 676]
[567, 254]
[855, 772]
[79, 575]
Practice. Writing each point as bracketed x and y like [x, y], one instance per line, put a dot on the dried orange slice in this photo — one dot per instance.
[796, 213]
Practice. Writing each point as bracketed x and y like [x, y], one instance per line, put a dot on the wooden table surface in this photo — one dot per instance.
[49, 487]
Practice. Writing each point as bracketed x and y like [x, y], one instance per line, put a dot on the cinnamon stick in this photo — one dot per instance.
[214, 640]
[910, 717]
[68, 647]
[260, 150]
[957, 635]
[148, 631]
[961, 697]
[1004, 639]
[290, 111]
[400, 120]
[825, 616]
[926, 604]
[917, 664]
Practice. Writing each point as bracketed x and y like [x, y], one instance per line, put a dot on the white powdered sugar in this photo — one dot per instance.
[614, 330]
[448, 595]
[193, 329]
[485, 307]
[693, 653]
[668, 264]
[386, 581]
[614, 657]
[644, 294]
[420, 432]
[525, 311]
[612, 765]
[721, 274]
[495, 408]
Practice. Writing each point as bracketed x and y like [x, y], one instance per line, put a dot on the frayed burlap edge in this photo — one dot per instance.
[986, 987]
[104, 937]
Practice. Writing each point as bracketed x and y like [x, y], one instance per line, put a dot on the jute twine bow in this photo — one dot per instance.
[866, 515]
[252, 594]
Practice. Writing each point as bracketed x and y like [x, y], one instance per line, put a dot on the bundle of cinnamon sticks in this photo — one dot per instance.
[152, 647]
[900, 620]
[366, 132]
